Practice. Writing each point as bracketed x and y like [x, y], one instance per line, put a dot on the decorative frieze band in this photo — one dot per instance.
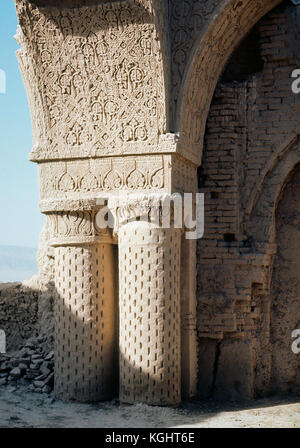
[86, 178]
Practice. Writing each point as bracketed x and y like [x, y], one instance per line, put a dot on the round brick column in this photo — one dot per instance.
[86, 325]
[149, 270]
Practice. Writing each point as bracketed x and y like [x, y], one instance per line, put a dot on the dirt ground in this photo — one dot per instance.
[22, 409]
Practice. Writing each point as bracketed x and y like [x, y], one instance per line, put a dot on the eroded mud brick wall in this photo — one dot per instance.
[18, 314]
[250, 148]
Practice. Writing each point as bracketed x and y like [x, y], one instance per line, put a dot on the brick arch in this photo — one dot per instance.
[214, 47]
[261, 223]
[279, 154]
[285, 288]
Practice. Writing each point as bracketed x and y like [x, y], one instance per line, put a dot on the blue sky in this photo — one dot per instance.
[21, 220]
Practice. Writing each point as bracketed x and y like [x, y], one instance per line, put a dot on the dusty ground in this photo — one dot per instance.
[20, 408]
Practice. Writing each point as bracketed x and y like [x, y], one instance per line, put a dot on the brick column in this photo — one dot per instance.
[85, 317]
[149, 272]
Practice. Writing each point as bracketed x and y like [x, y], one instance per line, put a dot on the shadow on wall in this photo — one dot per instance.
[236, 356]
[26, 312]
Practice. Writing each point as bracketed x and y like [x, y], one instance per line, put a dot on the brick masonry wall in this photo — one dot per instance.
[251, 124]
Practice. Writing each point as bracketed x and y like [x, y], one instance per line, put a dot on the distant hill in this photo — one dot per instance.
[17, 263]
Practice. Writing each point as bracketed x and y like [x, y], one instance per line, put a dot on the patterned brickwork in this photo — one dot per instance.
[85, 357]
[150, 310]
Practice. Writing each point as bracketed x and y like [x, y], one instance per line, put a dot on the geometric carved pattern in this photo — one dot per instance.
[75, 228]
[98, 77]
[96, 82]
[187, 20]
[66, 179]
[80, 178]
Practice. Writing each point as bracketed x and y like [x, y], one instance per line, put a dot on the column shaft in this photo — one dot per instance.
[149, 270]
[86, 324]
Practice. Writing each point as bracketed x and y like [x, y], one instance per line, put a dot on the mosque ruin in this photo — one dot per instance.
[149, 98]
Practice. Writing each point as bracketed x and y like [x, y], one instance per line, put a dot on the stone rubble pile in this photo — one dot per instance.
[31, 366]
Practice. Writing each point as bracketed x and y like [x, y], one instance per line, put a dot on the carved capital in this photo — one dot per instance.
[156, 209]
[72, 228]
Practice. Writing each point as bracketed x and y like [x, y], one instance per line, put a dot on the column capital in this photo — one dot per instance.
[154, 208]
[76, 228]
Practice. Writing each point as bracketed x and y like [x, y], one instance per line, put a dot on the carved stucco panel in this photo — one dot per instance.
[97, 78]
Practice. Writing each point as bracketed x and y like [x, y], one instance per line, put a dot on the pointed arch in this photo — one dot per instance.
[232, 22]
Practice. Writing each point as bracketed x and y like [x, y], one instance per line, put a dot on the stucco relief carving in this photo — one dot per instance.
[188, 18]
[70, 227]
[153, 208]
[72, 180]
[119, 94]
[98, 79]
[66, 179]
